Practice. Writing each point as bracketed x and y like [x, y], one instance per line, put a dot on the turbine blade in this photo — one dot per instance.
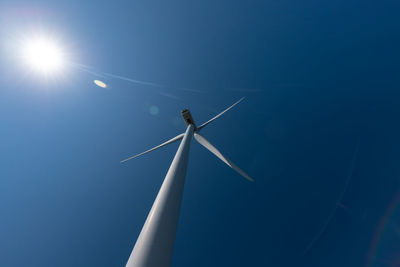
[176, 138]
[216, 152]
[219, 115]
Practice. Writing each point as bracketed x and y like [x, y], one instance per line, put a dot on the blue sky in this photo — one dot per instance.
[318, 131]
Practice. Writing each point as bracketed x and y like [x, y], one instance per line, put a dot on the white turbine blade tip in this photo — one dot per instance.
[176, 138]
[220, 114]
[122, 161]
[241, 172]
[204, 142]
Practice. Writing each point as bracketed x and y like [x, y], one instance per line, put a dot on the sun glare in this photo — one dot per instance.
[43, 55]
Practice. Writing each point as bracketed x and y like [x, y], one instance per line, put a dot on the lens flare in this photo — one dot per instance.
[100, 83]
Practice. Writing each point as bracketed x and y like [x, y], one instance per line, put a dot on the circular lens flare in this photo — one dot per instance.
[43, 55]
[100, 83]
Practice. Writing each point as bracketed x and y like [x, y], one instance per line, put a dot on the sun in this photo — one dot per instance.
[43, 55]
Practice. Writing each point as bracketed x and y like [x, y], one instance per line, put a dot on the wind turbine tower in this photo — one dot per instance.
[154, 246]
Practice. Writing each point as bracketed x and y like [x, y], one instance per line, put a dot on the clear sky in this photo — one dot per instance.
[318, 130]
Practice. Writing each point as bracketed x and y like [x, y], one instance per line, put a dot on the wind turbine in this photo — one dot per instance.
[154, 246]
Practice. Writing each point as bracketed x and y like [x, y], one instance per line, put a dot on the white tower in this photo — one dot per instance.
[154, 246]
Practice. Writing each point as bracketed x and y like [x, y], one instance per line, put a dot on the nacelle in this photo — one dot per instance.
[187, 117]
